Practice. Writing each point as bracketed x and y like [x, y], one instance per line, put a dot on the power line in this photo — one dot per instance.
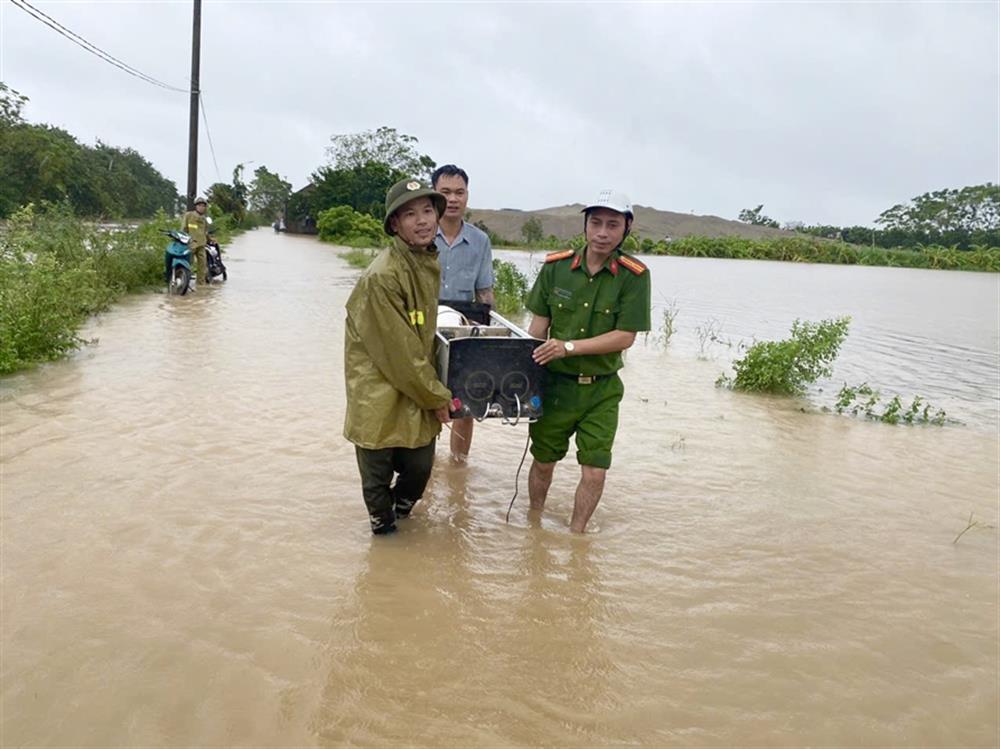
[93, 49]
[208, 132]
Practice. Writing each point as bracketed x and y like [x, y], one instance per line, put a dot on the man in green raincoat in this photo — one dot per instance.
[395, 401]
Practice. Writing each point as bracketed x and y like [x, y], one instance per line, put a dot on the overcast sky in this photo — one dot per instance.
[823, 112]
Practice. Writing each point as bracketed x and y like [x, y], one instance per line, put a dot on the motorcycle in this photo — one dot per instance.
[177, 263]
[216, 268]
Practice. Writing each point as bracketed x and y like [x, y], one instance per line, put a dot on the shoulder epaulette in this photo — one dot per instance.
[561, 255]
[632, 264]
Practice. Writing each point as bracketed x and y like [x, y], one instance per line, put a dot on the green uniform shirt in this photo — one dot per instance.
[579, 305]
[195, 225]
[392, 384]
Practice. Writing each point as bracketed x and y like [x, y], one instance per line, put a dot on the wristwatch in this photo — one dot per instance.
[568, 345]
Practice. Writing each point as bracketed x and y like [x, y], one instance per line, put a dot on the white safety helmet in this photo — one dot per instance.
[613, 200]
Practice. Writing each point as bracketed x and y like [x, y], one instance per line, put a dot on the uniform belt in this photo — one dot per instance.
[583, 379]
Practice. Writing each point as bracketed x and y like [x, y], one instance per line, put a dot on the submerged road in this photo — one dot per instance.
[186, 558]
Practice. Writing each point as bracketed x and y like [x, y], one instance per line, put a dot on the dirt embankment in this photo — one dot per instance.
[566, 222]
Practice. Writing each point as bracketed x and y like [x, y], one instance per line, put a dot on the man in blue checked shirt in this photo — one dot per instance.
[466, 267]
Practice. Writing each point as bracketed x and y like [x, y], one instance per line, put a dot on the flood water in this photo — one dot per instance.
[186, 558]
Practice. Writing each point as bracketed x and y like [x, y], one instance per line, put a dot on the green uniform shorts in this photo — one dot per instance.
[589, 411]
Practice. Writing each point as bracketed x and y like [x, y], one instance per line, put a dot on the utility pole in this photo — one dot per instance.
[192, 185]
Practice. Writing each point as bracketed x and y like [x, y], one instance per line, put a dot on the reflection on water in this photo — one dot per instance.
[186, 558]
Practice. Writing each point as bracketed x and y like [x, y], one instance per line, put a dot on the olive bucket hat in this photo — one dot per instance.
[406, 190]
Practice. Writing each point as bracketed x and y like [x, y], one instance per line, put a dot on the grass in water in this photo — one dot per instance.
[359, 258]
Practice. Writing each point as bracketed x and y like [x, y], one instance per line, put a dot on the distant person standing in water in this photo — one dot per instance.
[466, 268]
[195, 225]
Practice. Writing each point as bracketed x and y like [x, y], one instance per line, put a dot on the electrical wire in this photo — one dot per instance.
[92, 48]
[211, 147]
[517, 477]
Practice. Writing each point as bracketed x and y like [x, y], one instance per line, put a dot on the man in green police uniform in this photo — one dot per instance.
[195, 225]
[395, 401]
[589, 304]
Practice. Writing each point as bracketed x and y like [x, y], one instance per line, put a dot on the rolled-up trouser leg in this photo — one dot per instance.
[414, 469]
[376, 471]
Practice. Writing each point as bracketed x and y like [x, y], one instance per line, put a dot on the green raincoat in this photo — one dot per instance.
[195, 224]
[392, 384]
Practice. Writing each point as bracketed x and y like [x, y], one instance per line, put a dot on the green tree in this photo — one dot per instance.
[756, 217]
[961, 218]
[361, 169]
[495, 239]
[268, 193]
[11, 105]
[385, 145]
[970, 209]
[363, 188]
[226, 199]
[532, 231]
[128, 185]
[42, 163]
[240, 190]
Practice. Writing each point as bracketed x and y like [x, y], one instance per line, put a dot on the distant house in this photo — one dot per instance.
[299, 218]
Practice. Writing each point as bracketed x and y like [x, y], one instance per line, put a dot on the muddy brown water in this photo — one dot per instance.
[186, 560]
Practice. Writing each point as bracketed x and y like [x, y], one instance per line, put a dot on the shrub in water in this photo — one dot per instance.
[787, 367]
[343, 225]
[863, 400]
[510, 287]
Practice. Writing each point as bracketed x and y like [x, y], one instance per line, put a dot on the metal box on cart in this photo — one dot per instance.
[489, 368]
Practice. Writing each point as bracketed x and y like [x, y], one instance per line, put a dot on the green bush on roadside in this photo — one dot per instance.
[345, 226]
[56, 270]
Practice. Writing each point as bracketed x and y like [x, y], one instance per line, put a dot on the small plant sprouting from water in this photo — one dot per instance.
[709, 332]
[667, 326]
[863, 400]
[787, 367]
[972, 524]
